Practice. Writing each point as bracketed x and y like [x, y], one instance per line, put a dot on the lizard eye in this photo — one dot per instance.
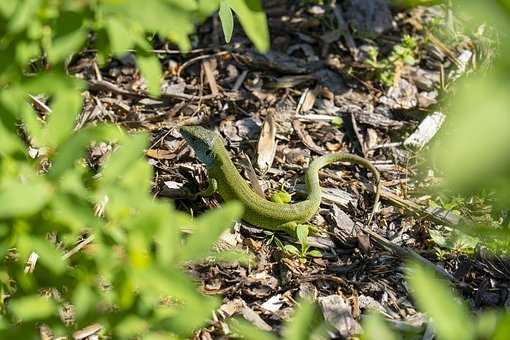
[209, 153]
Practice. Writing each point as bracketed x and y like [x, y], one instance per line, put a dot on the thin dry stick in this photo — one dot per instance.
[79, 246]
[411, 254]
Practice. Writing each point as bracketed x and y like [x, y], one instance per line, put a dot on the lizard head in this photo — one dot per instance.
[203, 141]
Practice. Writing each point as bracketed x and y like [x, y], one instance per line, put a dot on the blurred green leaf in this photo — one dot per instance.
[240, 257]
[474, 160]
[131, 326]
[7, 8]
[227, 20]
[191, 316]
[502, 328]
[307, 323]
[22, 15]
[49, 256]
[451, 318]
[253, 19]
[23, 199]
[209, 227]
[33, 307]
[83, 300]
[61, 120]
[160, 16]
[207, 7]
[120, 37]
[74, 148]
[374, 328]
[151, 70]
[9, 142]
[249, 331]
[124, 157]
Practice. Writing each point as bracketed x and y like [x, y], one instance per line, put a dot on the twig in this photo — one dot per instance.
[200, 57]
[40, 105]
[79, 246]
[411, 254]
[103, 85]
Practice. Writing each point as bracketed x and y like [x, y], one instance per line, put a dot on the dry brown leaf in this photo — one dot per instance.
[266, 147]
[160, 154]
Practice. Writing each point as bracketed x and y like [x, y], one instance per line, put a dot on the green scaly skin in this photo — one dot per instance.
[226, 180]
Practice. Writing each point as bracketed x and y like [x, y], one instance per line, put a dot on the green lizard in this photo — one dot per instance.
[226, 180]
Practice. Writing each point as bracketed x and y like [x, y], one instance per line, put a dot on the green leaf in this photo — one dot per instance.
[207, 7]
[227, 20]
[61, 120]
[7, 8]
[302, 234]
[22, 16]
[74, 148]
[314, 253]
[131, 326]
[124, 158]
[281, 197]
[33, 307]
[24, 199]
[248, 331]
[209, 227]
[151, 71]
[481, 159]
[171, 21]
[289, 248]
[49, 256]
[193, 316]
[83, 300]
[66, 45]
[120, 37]
[233, 256]
[451, 318]
[502, 328]
[253, 19]
[9, 142]
[68, 36]
[374, 328]
[307, 323]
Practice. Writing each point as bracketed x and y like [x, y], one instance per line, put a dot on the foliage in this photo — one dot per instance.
[304, 251]
[385, 69]
[130, 277]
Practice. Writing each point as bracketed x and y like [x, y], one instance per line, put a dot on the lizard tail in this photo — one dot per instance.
[312, 176]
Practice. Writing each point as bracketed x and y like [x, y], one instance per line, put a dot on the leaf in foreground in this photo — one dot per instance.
[450, 317]
[374, 328]
[32, 307]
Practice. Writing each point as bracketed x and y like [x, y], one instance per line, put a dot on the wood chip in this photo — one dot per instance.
[337, 312]
[426, 130]
[87, 331]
